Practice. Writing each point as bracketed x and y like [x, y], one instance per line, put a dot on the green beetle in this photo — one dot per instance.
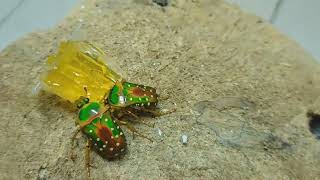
[104, 134]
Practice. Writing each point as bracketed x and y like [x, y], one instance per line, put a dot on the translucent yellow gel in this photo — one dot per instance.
[76, 66]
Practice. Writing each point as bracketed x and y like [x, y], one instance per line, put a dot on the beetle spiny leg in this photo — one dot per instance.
[133, 129]
[103, 100]
[147, 124]
[158, 113]
[132, 114]
[73, 138]
[139, 120]
[162, 98]
[87, 158]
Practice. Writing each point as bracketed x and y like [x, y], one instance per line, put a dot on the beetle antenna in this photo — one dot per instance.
[86, 91]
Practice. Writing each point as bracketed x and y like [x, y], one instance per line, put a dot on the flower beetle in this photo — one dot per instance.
[105, 135]
[130, 98]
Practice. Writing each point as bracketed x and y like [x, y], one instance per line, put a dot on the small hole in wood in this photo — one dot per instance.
[314, 124]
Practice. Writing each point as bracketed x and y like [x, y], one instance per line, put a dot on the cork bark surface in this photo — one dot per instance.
[241, 90]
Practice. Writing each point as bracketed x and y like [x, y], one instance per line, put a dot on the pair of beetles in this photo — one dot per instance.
[78, 73]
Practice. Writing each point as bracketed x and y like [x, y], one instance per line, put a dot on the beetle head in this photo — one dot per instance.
[81, 102]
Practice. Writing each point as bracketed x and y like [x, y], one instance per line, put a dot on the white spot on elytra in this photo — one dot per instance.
[95, 144]
[111, 149]
[121, 99]
[118, 144]
[106, 120]
[140, 99]
[104, 146]
[151, 96]
[121, 133]
[117, 136]
[129, 85]
[112, 129]
[116, 154]
[145, 95]
[98, 139]
[147, 99]
[131, 99]
[118, 127]
[106, 142]
[148, 104]
[90, 131]
[112, 137]
[122, 150]
[100, 149]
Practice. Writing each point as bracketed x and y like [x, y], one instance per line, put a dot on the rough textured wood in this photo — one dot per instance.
[241, 89]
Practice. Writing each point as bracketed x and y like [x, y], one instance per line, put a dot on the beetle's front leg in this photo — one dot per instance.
[87, 158]
[73, 138]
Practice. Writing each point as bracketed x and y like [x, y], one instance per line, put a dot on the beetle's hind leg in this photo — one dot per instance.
[139, 120]
[163, 97]
[132, 129]
[157, 113]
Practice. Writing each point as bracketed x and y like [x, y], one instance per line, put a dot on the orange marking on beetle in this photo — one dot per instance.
[138, 91]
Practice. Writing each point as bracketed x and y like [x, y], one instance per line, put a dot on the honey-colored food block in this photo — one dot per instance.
[77, 66]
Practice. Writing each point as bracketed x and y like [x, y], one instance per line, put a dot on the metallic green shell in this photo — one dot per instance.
[104, 133]
[133, 95]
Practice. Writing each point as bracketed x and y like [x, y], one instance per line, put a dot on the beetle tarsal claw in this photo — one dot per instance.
[162, 98]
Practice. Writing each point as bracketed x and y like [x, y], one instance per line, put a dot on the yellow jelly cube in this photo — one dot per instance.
[76, 66]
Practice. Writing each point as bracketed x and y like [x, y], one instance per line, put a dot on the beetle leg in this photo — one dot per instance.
[132, 129]
[162, 98]
[103, 100]
[132, 114]
[147, 124]
[87, 158]
[138, 119]
[73, 138]
[158, 113]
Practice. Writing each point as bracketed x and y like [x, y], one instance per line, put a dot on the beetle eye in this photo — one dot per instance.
[86, 100]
